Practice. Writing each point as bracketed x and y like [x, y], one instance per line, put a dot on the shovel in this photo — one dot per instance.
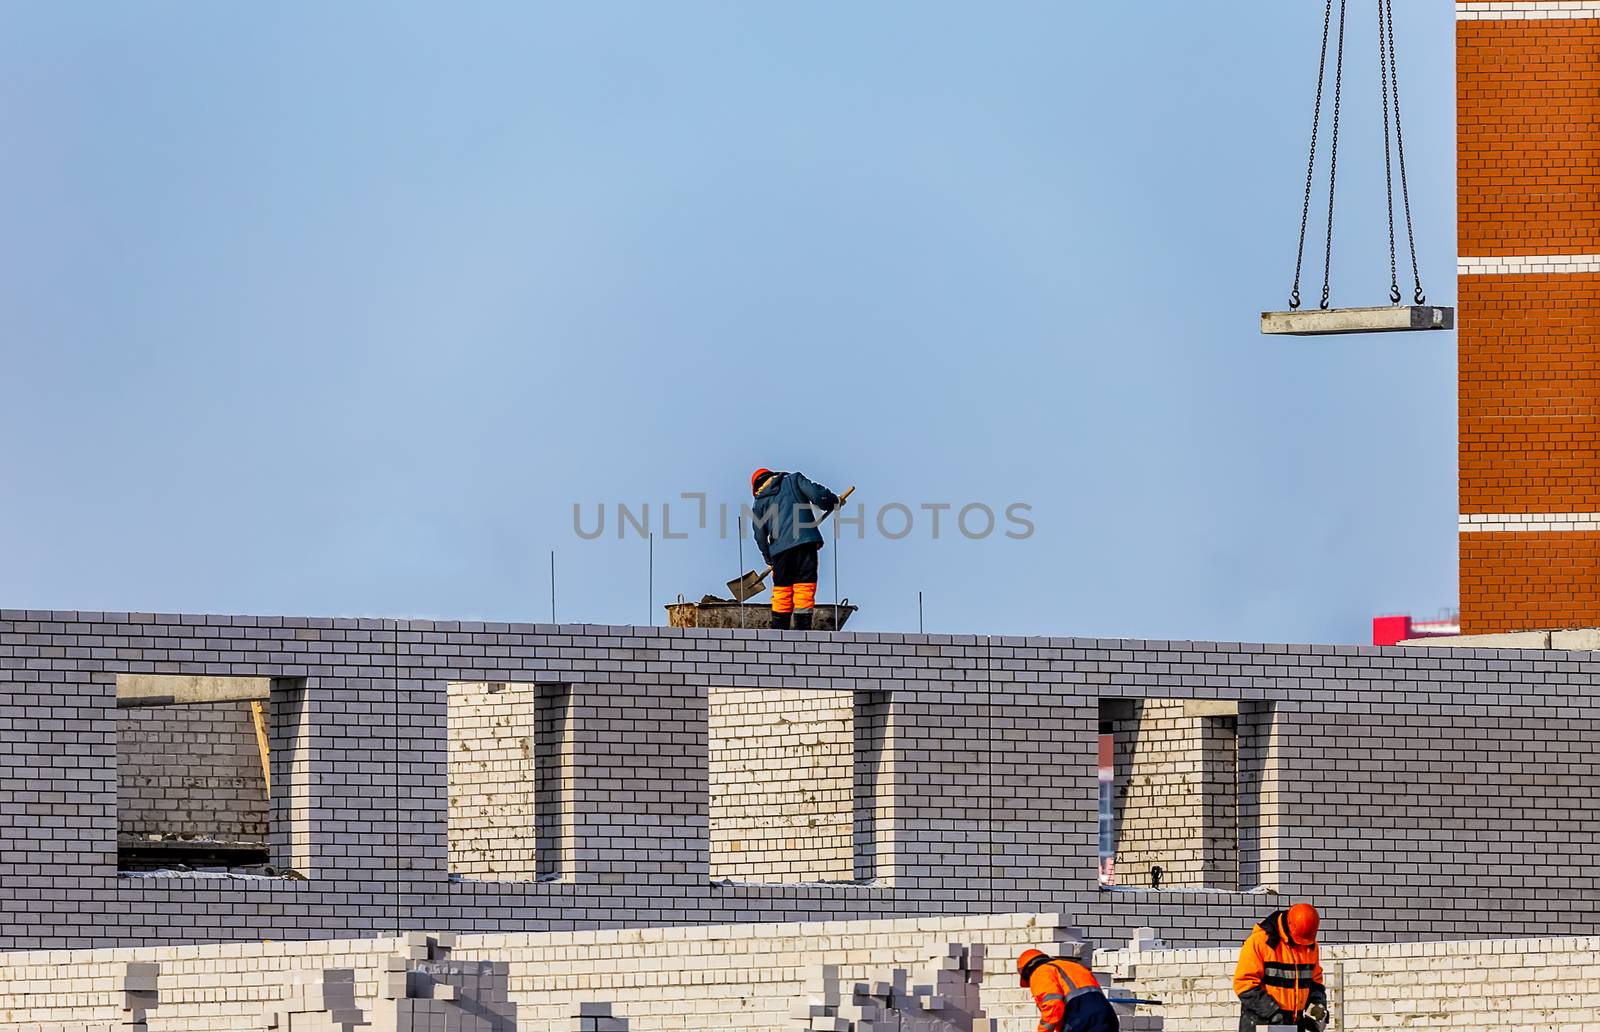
[753, 583]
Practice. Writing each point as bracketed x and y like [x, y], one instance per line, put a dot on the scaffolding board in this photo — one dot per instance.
[1314, 322]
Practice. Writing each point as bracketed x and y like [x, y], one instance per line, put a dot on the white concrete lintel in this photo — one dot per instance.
[1210, 707]
[188, 690]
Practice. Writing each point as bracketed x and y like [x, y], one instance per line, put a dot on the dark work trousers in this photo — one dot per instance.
[795, 566]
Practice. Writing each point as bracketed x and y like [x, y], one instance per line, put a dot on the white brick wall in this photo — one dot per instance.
[782, 784]
[1518, 10]
[1472, 986]
[742, 977]
[491, 774]
[192, 772]
[1191, 794]
[1176, 795]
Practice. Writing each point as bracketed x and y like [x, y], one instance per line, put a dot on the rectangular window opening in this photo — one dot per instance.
[194, 775]
[790, 799]
[874, 788]
[1182, 786]
[507, 754]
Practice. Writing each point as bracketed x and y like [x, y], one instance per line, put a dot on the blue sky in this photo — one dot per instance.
[339, 309]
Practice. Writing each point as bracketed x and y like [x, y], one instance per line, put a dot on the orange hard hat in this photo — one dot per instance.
[1023, 963]
[755, 478]
[1303, 922]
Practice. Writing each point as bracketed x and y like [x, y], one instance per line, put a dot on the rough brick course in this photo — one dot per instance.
[747, 978]
[744, 977]
[1546, 984]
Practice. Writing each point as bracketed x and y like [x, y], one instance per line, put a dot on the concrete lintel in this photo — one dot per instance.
[187, 690]
[1510, 640]
[1387, 319]
[1584, 640]
[1210, 708]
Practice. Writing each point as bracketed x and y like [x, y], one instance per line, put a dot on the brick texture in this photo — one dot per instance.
[782, 782]
[1528, 179]
[747, 977]
[492, 829]
[1472, 986]
[190, 772]
[1416, 795]
[744, 977]
[1528, 167]
[1530, 394]
[1177, 797]
[1532, 581]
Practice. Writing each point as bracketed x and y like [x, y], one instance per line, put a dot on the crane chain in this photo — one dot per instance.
[1311, 162]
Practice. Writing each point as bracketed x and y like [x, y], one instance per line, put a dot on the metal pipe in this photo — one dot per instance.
[836, 574]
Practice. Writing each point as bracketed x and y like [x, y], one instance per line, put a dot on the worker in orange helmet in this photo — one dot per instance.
[784, 518]
[1279, 977]
[1069, 996]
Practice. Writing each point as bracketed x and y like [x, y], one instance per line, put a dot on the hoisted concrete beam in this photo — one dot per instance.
[1387, 319]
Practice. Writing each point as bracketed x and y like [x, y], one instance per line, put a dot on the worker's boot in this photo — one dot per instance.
[802, 619]
[781, 621]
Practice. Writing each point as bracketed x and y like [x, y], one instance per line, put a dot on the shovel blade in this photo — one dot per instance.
[748, 586]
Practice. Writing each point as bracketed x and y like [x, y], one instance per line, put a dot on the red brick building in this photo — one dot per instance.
[1528, 180]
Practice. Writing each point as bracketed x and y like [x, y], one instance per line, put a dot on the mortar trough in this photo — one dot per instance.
[712, 611]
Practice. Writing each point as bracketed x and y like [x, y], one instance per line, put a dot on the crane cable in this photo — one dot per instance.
[1333, 158]
[1389, 77]
[1311, 162]
[1386, 33]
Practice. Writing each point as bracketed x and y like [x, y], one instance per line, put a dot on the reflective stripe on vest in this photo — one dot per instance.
[1287, 976]
[1074, 990]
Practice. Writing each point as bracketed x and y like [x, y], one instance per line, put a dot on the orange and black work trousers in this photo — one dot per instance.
[794, 587]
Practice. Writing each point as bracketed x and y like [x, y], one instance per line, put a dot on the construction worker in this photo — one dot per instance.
[1069, 996]
[1279, 977]
[785, 527]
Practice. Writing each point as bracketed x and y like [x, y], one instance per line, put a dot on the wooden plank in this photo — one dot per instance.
[259, 716]
[1312, 322]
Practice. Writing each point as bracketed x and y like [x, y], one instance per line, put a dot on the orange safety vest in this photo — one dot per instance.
[1285, 969]
[1054, 984]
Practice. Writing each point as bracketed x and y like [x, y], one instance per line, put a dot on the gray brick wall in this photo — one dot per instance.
[1412, 795]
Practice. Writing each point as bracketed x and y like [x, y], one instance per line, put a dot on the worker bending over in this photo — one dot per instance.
[785, 526]
[1069, 996]
[1279, 977]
